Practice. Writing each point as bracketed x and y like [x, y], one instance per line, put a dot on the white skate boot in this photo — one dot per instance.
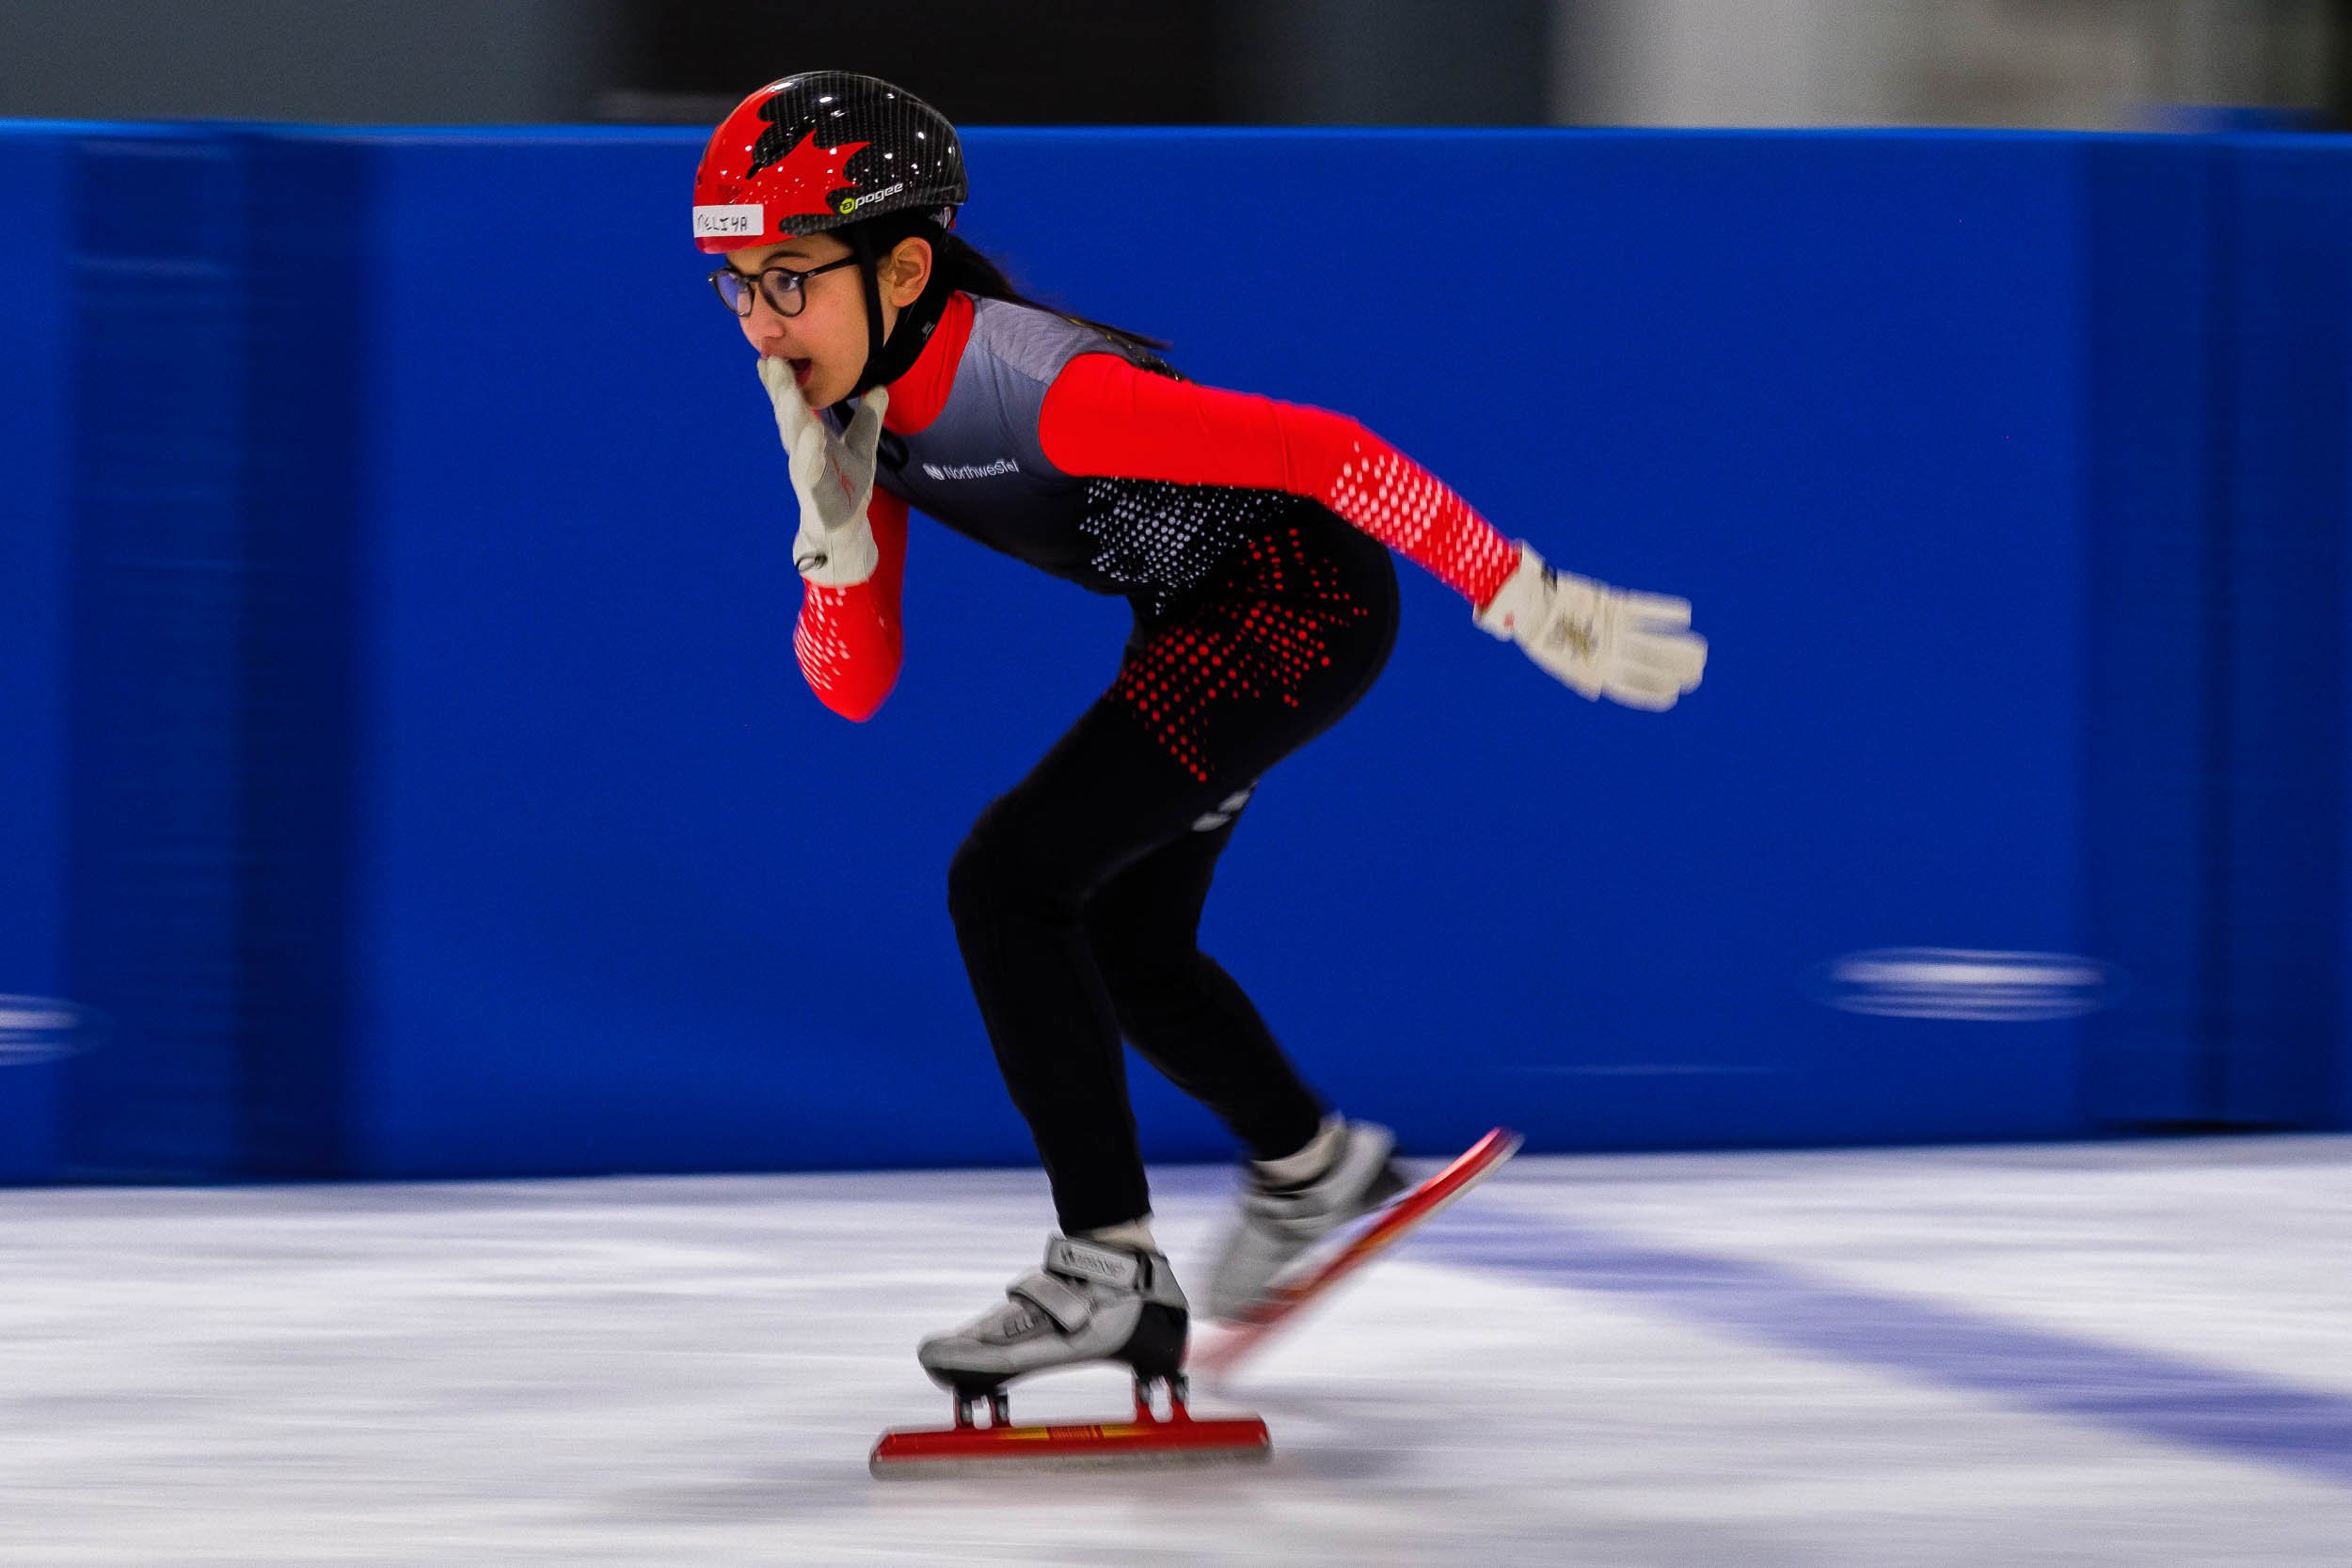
[1092, 1302]
[1280, 1220]
[1088, 1303]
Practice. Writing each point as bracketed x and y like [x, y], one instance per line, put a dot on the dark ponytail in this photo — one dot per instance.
[964, 268]
[971, 270]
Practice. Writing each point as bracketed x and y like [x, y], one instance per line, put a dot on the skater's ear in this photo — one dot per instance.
[905, 271]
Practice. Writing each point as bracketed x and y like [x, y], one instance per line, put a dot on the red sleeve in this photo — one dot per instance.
[1106, 417]
[849, 639]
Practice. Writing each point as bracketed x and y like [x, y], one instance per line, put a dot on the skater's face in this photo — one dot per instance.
[810, 313]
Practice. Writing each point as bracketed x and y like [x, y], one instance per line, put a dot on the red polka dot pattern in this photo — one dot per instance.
[1263, 638]
[848, 639]
[821, 638]
[848, 650]
[1383, 493]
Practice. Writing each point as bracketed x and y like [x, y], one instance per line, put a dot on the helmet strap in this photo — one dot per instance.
[889, 358]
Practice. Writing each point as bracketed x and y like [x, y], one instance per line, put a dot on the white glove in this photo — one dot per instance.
[1633, 648]
[833, 477]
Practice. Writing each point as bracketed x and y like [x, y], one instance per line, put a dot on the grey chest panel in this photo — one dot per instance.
[980, 468]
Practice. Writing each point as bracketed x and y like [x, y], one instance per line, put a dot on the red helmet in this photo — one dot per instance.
[820, 151]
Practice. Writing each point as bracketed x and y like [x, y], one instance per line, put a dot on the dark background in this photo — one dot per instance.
[2081, 64]
[1075, 62]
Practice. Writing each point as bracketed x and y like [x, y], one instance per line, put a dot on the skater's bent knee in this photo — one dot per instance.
[971, 877]
[1142, 963]
[1000, 865]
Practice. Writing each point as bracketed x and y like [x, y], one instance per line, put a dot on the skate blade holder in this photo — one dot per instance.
[1151, 1439]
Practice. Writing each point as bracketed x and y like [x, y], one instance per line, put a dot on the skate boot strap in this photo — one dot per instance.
[1102, 1265]
[1057, 1290]
[1069, 1307]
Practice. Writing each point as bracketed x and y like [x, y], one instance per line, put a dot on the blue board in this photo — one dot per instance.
[617, 865]
[420, 772]
[35, 563]
[2282, 601]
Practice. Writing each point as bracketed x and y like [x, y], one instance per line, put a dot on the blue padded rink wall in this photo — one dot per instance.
[409, 781]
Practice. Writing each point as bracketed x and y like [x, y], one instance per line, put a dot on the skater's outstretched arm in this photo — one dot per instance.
[850, 548]
[1107, 417]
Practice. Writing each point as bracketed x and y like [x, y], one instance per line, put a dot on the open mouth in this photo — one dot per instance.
[802, 370]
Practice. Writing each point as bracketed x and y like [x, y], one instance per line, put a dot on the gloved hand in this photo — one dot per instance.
[1633, 648]
[833, 477]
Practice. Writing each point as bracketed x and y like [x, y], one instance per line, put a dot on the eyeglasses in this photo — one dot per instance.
[782, 285]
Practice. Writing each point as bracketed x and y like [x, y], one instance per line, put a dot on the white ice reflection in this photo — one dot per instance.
[691, 1371]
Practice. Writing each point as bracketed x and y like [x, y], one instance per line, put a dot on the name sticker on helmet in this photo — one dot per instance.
[745, 219]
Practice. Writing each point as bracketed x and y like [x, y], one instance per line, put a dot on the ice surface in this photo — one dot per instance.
[2113, 1354]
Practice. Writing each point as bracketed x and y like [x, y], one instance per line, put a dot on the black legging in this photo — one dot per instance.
[1077, 894]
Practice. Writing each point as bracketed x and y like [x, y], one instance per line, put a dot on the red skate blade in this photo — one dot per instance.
[1221, 1356]
[952, 1450]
